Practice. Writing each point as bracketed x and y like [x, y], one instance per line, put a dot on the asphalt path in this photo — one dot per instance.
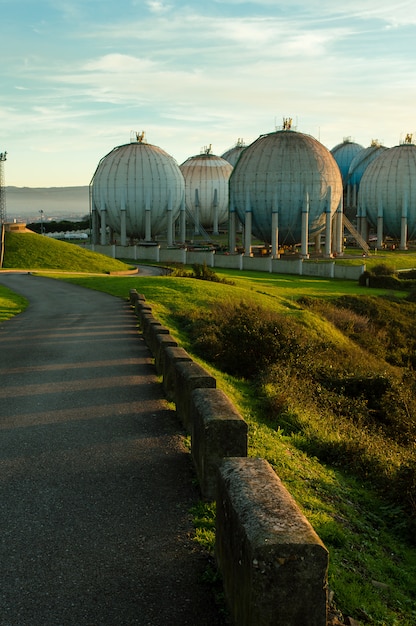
[95, 483]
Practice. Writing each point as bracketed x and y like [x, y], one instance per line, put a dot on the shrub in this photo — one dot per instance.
[244, 339]
[383, 270]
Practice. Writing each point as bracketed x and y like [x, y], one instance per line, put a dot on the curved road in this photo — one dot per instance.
[95, 485]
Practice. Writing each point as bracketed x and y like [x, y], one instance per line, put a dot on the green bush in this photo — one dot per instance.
[350, 410]
[383, 270]
[244, 340]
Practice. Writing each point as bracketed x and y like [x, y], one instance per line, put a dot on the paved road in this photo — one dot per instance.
[95, 485]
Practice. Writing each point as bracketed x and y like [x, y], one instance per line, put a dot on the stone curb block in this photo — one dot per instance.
[189, 376]
[273, 564]
[162, 341]
[218, 431]
[169, 356]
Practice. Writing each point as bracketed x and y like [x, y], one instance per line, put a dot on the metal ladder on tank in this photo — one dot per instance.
[354, 232]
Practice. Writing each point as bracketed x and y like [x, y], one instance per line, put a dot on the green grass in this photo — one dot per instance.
[35, 252]
[10, 303]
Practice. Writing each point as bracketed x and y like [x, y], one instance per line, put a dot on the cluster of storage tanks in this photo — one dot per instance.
[284, 189]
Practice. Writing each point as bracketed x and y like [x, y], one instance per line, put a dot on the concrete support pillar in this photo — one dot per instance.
[354, 196]
[182, 216]
[215, 227]
[364, 229]
[318, 243]
[232, 244]
[94, 226]
[361, 218]
[328, 223]
[248, 227]
[103, 240]
[339, 231]
[170, 221]
[275, 235]
[305, 227]
[148, 219]
[403, 229]
[123, 226]
[380, 223]
[197, 211]
[247, 233]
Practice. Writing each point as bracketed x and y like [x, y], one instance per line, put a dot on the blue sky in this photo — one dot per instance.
[78, 76]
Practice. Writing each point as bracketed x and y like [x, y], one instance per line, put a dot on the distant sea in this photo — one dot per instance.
[24, 204]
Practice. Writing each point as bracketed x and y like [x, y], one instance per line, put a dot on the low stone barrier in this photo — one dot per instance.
[189, 376]
[151, 328]
[134, 296]
[273, 564]
[169, 356]
[162, 341]
[218, 431]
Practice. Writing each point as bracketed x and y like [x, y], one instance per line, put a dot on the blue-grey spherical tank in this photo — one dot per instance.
[233, 154]
[388, 190]
[344, 153]
[138, 178]
[275, 174]
[362, 160]
[206, 187]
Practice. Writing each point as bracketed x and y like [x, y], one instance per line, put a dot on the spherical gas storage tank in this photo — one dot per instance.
[344, 153]
[206, 188]
[388, 191]
[362, 160]
[232, 155]
[274, 174]
[143, 182]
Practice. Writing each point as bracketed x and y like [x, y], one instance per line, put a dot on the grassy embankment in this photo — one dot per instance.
[328, 448]
[33, 252]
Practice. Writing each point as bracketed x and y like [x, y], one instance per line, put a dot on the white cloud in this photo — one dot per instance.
[155, 6]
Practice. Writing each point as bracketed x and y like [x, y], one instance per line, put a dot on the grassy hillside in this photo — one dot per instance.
[35, 252]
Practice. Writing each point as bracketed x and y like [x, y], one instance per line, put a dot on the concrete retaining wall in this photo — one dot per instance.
[296, 266]
[273, 564]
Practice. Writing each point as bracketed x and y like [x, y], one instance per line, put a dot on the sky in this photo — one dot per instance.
[80, 77]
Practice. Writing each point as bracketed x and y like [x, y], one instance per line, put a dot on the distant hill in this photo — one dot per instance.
[25, 203]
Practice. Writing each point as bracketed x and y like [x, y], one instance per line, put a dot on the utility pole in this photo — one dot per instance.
[3, 217]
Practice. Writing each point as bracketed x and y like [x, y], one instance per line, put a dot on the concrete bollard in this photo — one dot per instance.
[273, 564]
[169, 356]
[162, 341]
[142, 309]
[150, 330]
[133, 296]
[218, 431]
[189, 376]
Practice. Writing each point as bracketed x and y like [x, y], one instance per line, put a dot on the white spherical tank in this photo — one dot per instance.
[206, 188]
[274, 174]
[388, 192]
[142, 182]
